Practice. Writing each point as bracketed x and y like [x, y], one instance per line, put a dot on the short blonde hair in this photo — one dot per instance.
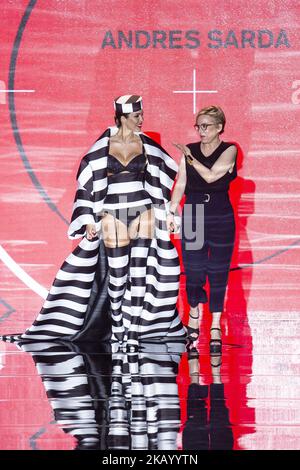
[216, 112]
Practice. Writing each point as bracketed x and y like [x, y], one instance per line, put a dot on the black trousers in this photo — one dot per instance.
[208, 232]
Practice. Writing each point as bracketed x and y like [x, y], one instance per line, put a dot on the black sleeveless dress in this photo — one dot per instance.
[208, 231]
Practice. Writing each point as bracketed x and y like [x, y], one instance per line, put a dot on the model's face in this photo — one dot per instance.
[208, 128]
[134, 121]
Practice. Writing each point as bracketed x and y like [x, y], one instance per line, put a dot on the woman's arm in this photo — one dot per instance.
[177, 194]
[180, 184]
[224, 164]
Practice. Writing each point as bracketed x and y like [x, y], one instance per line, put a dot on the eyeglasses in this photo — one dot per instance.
[203, 127]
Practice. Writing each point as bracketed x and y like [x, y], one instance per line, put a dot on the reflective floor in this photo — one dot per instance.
[56, 396]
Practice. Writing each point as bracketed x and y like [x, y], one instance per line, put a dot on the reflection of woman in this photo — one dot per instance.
[205, 173]
[124, 185]
[206, 430]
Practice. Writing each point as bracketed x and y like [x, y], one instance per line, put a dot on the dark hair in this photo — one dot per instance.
[216, 112]
[118, 118]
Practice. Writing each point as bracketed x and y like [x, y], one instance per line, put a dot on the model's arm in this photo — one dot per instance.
[224, 164]
[177, 194]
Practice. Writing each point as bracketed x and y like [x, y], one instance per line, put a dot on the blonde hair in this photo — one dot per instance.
[216, 112]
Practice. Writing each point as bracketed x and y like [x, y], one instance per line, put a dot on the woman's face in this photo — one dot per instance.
[208, 128]
[134, 121]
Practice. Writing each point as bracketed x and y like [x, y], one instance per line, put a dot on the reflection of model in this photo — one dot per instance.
[144, 406]
[208, 226]
[124, 185]
[112, 400]
[77, 380]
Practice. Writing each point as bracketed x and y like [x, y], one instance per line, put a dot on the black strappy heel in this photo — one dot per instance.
[193, 331]
[215, 345]
[192, 353]
[216, 365]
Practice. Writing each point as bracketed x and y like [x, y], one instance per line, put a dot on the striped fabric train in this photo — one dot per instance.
[77, 306]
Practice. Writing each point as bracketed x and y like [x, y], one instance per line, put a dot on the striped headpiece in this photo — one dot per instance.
[128, 104]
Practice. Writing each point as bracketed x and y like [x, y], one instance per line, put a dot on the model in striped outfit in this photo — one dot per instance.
[125, 269]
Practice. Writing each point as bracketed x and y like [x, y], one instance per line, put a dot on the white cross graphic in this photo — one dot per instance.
[194, 91]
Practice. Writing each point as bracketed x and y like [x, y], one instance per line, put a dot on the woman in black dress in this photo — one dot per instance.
[208, 227]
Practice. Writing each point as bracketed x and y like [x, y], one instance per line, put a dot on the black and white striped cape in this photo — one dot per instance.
[77, 305]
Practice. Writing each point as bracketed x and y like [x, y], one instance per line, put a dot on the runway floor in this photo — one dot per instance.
[63, 396]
